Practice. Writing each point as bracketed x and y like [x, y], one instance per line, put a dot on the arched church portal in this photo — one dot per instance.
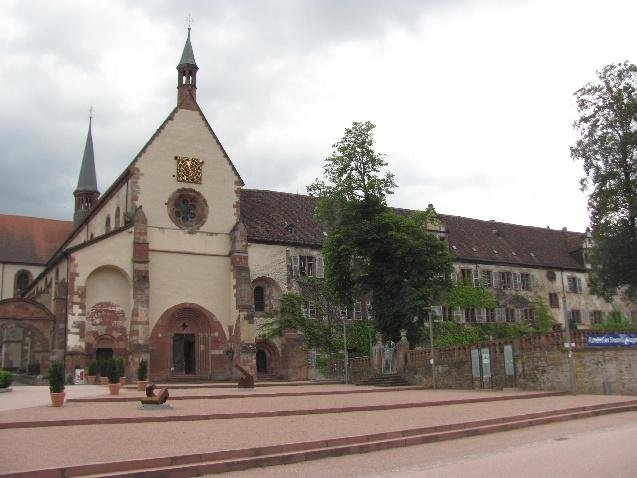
[188, 341]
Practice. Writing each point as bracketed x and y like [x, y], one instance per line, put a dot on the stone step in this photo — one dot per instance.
[287, 453]
[384, 380]
[261, 414]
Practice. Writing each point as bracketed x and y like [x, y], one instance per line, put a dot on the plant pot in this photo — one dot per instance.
[57, 399]
[113, 388]
[91, 379]
[103, 380]
[122, 381]
[141, 385]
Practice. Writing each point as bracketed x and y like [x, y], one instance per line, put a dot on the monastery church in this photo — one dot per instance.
[177, 263]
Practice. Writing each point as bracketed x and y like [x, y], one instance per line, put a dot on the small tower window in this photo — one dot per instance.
[107, 226]
[117, 217]
[22, 279]
[259, 299]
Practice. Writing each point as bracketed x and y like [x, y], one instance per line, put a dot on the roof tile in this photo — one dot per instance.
[30, 240]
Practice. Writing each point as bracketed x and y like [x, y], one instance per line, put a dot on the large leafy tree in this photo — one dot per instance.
[371, 249]
[607, 147]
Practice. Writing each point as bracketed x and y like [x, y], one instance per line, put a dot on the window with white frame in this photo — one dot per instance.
[502, 280]
[358, 311]
[487, 279]
[307, 266]
[528, 314]
[470, 315]
[308, 308]
[554, 301]
[489, 315]
[527, 281]
[466, 275]
[510, 315]
[344, 315]
[596, 317]
[574, 284]
[576, 316]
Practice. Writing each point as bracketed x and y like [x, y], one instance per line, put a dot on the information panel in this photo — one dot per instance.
[612, 340]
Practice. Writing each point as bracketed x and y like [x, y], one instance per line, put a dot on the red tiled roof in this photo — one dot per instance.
[30, 240]
[492, 241]
[277, 217]
[267, 213]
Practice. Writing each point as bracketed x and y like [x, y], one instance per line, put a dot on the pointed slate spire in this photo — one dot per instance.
[187, 78]
[87, 180]
[86, 193]
[187, 57]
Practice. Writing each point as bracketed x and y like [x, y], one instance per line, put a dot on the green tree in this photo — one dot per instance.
[607, 147]
[371, 249]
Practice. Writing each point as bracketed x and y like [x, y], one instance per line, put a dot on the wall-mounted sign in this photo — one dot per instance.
[188, 169]
[612, 340]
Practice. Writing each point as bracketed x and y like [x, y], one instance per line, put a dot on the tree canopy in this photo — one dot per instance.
[371, 249]
[607, 147]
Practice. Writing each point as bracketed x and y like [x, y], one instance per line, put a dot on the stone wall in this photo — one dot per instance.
[540, 363]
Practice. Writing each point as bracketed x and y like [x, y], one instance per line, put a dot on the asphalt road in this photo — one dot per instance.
[593, 447]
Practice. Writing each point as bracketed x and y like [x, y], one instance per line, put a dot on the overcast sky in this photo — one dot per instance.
[473, 101]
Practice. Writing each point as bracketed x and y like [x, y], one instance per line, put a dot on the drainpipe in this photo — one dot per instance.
[567, 338]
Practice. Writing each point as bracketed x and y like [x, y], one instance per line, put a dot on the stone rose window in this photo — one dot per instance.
[187, 209]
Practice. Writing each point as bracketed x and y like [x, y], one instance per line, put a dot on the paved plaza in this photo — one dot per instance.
[226, 429]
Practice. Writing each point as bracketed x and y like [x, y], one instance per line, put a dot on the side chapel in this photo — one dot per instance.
[176, 263]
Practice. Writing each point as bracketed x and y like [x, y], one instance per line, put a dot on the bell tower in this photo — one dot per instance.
[187, 77]
[86, 193]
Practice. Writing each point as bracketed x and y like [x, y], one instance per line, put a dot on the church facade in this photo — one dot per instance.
[177, 263]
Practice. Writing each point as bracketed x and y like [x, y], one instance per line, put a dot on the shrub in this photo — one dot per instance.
[121, 367]
[142, 370]
[92, 368]
[56, 377]
[112, 372]
[102, 366]
[6, 378]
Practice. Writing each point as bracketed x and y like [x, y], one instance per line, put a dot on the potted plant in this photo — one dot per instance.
[142, 375]
[102, 365]
[92, 372]
[121, 370]
[56, 383]
[113, 378]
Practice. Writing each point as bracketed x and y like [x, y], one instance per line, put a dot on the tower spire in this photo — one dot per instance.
[86, 192]
[187, 75]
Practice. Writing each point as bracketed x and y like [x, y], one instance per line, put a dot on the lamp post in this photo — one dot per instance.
[432, 360]
[345, 354]
[568, 344]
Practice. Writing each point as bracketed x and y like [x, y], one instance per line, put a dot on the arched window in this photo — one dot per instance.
[259, 299]
[117, 216]
[107, 227]
[22, 279]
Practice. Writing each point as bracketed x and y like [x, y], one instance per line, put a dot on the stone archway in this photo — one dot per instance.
[268, 359]
[188, 341]
[26, 332]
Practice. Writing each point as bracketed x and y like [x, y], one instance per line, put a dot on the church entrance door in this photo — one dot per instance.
[184, 361]
[103, 353]
[262, 361]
